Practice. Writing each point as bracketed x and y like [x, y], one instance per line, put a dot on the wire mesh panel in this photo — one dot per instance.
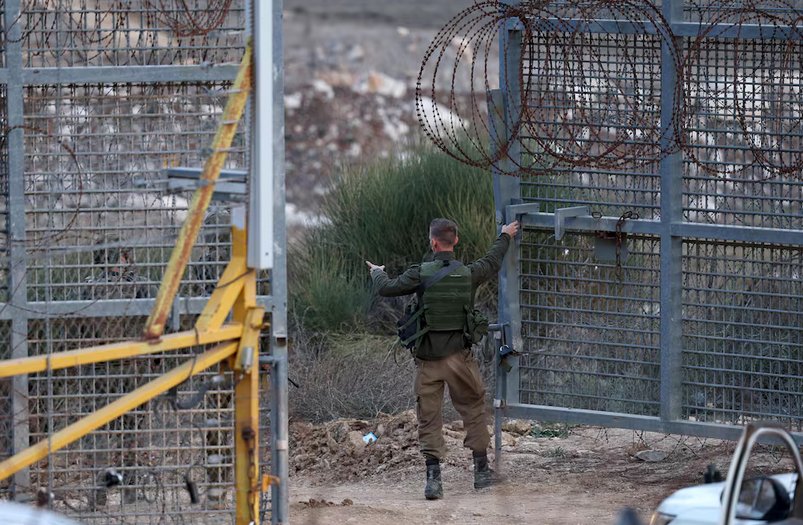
[743, 333]
[591, 123]
[745, 142]
[663, 143]
[4, 253]
[99, 229]
[591, 329]
[100, 225]
[132, 32]
[6, 406]
[6, 386]
[139, 467]
[2, 34]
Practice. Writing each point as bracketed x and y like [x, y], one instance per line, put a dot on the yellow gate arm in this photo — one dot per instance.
[154, 328]
[117, 351]
[97, 419]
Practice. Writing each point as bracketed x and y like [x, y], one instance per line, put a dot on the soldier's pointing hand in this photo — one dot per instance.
[372, 266]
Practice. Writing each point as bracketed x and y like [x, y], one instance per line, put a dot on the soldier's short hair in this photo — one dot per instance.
[444, 231]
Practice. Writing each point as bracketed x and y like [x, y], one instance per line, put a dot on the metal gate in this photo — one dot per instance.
[656, 154]
[97, 99]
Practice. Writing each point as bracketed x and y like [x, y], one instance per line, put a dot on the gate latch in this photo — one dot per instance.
[504, 352]
[561, 214]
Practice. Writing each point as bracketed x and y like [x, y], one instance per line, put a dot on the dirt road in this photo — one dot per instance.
[542, 502]
[584, 475]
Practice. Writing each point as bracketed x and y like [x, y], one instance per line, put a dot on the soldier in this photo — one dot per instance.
[443, 352]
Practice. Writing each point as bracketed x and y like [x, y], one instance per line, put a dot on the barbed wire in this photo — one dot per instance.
[95, 30]
[190, 18]
[583, 87]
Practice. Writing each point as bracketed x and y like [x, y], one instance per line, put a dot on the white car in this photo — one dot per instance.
[17, 514]
[764, 500]
[702, 504]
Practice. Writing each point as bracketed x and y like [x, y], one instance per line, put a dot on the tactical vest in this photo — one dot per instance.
[446, 302]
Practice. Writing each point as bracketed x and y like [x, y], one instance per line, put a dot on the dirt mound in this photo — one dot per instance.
[340, 451]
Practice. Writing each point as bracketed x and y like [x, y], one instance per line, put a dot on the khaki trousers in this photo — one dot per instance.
[467, 391]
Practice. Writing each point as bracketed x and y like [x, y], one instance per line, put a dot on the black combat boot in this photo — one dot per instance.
[434, 488]
[483, 475]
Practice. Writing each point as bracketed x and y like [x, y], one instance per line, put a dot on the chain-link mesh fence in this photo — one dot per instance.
[107, 96]
[675, 296]
[743, 313]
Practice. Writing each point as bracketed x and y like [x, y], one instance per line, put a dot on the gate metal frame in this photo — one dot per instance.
[14, 77]
[671, 229]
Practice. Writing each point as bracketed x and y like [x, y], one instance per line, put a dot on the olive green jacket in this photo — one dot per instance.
[437, 345]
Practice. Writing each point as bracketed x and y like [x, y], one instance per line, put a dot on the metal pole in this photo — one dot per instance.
[507, 190]
[496, 111]
[671, 172]
[17, 234]
[269, 197]
[268, 109]
[504, 112]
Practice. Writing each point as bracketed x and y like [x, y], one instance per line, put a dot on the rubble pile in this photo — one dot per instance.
[337, 452]
[350, 80]
[339, 120]
[352, 449]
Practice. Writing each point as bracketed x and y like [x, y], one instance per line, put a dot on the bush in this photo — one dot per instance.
[349, 376]
[382, 213]
[326, 293]
[358, 376]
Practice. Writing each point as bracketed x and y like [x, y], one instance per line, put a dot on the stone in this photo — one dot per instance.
[517, 426]
[322, 87]
[356, 53]
[355, 440]
[382, 84]
[651, 456]
[293, 101]
[529, 447]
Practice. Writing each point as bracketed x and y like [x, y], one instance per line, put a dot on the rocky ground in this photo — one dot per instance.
[553, 474]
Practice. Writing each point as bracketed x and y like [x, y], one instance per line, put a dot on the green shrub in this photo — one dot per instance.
[326, 293]
[382, 213]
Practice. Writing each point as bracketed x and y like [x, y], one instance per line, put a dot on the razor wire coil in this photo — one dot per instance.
[580, 95]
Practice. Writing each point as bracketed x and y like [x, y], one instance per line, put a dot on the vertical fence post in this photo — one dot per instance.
[18, 295]
[507, 190]
[496, 114]
[671, 172]
[279, 430]
[504, 109]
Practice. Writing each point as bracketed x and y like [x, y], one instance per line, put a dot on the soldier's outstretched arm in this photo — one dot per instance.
[404, 284]
[486, 267]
